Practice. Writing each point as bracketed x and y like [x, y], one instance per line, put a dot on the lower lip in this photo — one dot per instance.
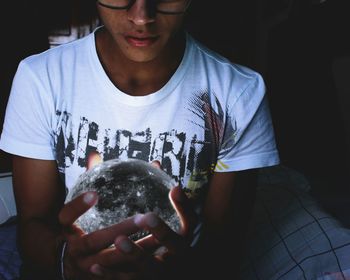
[140, 42]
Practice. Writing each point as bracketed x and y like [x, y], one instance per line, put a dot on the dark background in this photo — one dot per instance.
[301, 47]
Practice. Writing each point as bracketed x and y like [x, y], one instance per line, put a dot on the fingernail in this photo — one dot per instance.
[125, 246]
[88, 197]
[156, 163]
[152, 220]
[138, 219]
[96, 269]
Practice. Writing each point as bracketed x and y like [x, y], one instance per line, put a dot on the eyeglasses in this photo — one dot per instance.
[169, 7]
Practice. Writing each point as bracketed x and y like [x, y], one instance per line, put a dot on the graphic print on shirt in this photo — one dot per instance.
[188, 156]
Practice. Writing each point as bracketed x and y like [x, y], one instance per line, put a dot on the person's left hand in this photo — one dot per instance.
[149, 257]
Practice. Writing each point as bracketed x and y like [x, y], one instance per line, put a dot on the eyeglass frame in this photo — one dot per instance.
[132, 2]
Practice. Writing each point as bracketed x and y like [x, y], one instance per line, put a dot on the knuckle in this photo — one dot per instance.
[163, 236]
[61, 217]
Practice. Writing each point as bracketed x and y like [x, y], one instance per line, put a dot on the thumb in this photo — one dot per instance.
[94, 158]
[184, 209]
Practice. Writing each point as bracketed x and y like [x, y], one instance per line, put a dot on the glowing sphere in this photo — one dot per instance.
[125, 188]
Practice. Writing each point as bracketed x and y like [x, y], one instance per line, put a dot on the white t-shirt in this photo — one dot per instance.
[211, 115]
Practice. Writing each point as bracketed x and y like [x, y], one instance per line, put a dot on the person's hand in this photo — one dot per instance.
[176, 242]
[163, 241]
[91, 256]
[85, 251]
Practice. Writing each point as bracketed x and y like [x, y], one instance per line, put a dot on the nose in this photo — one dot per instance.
[142, 12]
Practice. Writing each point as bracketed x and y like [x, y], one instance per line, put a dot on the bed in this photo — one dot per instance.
[9, 258]
[292, 236]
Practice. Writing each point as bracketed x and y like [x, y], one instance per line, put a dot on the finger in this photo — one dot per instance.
[103, 238]
[184, 209]
[97, 270]
[124, 251]
[76, 207]
[187, 215]
[125, 260]
[156, 163]
[148, 243]
[164, 235]
[108, 273]
[152, 246]
[94, 158]
[126, 256]
[133, 255]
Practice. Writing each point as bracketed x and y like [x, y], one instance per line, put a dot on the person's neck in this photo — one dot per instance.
[139, 78]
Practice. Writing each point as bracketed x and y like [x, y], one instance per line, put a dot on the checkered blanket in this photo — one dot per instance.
[292, 237]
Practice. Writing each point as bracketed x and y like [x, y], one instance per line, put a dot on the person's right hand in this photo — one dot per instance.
[83, 251]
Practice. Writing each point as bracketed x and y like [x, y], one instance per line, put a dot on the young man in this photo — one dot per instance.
[139, 87]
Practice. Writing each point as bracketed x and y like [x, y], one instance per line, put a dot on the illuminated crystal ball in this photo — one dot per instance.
[125, 188]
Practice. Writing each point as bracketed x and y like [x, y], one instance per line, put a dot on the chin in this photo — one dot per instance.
[142, 57]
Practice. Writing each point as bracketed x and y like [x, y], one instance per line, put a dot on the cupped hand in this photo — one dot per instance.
[110, 254]
[149, 257]
[92, 256]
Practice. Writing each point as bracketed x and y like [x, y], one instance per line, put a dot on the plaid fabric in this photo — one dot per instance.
[292, 237]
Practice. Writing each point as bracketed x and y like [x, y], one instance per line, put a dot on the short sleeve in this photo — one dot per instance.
[27, 127]
[248, 140]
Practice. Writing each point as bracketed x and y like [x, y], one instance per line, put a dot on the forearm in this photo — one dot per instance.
[39, 195]
[39, 244]
[226, 219]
